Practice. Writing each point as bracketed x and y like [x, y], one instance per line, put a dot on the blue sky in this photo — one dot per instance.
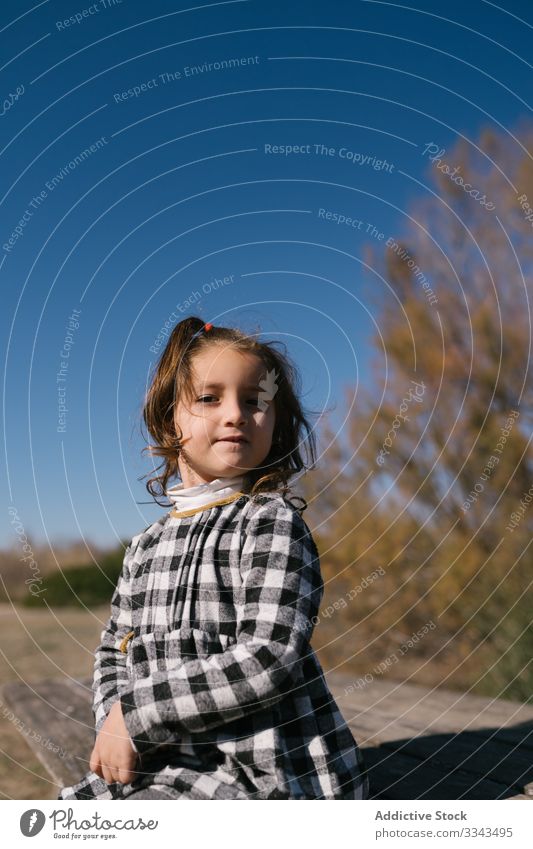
[151, 150]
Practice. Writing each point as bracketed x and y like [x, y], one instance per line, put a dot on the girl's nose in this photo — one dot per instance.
[234, 413]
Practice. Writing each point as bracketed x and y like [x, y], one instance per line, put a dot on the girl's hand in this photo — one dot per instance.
[112, 757]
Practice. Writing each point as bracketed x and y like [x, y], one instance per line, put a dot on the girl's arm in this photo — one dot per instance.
[282, 590]
[110, 675]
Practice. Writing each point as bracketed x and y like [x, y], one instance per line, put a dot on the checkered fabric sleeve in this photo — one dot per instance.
[110, 675]
[281, 592]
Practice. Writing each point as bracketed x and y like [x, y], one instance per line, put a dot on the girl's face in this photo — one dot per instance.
[224, 404]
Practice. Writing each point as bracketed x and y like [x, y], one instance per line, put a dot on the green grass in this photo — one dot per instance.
[82, 586]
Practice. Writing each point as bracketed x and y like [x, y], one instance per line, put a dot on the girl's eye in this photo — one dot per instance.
[253, 401]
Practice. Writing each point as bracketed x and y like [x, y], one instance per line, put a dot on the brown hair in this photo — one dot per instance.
[172, 380]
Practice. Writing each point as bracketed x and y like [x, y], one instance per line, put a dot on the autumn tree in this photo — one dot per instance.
[434, 484]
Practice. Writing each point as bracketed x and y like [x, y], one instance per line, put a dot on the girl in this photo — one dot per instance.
[205, 684]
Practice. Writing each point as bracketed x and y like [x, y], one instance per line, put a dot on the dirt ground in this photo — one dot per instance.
[38, 644]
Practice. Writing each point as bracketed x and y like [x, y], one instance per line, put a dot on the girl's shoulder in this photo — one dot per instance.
[272, 505]
[277, 517]
[146, 537]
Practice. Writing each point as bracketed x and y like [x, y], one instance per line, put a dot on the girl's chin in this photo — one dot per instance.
[229, 469]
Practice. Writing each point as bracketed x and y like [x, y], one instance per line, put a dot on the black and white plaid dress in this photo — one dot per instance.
[207, 648]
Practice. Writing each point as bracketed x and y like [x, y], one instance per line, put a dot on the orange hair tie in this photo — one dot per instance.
[203, 329]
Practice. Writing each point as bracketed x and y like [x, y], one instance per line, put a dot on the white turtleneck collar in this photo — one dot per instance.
[194, 497]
